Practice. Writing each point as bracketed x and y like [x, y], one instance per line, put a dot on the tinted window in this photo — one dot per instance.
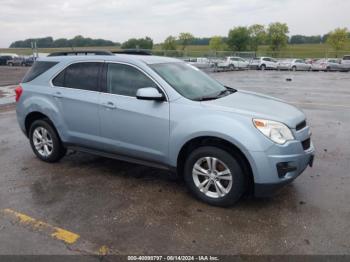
[59, 79]
[266, 59]
[37, 69]
[126, 80]
[80, 76]
[346, 57]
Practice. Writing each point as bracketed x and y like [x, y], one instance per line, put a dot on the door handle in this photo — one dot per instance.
[109, 105]
[58, 95]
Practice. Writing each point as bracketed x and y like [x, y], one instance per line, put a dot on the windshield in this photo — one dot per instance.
[189, 81]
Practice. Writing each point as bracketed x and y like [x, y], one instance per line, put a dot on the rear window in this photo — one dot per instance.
[37, 69]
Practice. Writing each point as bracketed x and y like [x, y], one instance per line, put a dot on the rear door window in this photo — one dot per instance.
[83, 76]
[38, 68]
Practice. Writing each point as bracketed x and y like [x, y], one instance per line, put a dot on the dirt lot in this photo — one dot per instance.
[120, 208]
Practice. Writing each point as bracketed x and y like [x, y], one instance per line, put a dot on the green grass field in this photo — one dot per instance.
[302, 51]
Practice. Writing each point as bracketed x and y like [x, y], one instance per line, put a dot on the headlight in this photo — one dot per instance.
[276, 131]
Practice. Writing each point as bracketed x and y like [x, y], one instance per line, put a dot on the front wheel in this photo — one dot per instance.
[214, 176]
[45, 141]
[263, 67]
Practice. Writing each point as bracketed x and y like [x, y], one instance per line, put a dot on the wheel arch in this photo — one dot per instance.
[228, 146]
[33, 116]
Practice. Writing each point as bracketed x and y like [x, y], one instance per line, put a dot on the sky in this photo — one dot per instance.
[119, 20]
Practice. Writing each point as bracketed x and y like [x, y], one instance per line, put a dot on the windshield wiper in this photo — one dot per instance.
[227, 91]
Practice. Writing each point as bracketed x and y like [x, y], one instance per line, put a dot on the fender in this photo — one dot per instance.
[244, 138]
[45, 106]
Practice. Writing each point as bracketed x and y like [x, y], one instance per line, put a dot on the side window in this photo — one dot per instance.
[80, 76]
[266, 59]
[126, 80]
[59, 79]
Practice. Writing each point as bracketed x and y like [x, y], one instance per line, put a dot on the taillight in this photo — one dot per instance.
[19, 91]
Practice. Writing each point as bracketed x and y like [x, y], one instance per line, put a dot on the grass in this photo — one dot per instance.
[302, 51]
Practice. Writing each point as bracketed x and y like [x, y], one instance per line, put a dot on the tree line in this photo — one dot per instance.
[240, 38]
[243, 38]
[49, 42]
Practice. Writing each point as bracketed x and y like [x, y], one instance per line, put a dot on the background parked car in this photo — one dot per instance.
[16, 61]
[4, 59]
[233, 62]
[28, 61]
[263, 63]
[199, 62]
[294, 65]
[345, 63]
[329, 64]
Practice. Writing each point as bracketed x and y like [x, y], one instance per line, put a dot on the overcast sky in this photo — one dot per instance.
[119, 20]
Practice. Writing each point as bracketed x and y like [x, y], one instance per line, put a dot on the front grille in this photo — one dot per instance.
[306, 144]
[301, 125]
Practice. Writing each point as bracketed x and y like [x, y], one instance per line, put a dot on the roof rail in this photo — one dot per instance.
[133, 52]
[81, 52]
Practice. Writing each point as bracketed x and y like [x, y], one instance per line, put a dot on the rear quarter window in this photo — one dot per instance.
[38, 68]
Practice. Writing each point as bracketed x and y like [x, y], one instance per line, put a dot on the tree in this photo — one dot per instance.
[337, 39]
[257, 36]
[216, 43]
[238, 38]
[142, 43]
[169, 43]
[277, 35]
[185, 39]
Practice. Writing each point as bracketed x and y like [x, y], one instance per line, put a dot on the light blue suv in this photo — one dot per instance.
[162, 112]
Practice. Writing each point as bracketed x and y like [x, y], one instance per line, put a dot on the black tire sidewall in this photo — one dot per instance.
[58, 150]
[238, 185]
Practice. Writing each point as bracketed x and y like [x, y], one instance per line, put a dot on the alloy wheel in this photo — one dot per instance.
[42, 141]
[212, 177]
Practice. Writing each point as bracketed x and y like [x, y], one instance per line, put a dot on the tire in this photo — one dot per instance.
[210, 191]
[263, 67]
[54, 149]
[294, 68]
[10, 64]
[231, 67]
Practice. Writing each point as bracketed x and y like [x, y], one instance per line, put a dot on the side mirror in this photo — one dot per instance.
[149, 93]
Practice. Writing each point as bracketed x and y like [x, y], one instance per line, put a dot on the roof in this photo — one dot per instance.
[117, 57]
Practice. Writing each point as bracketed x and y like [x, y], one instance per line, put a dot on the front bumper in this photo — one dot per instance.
[281, 164]
[269, 189]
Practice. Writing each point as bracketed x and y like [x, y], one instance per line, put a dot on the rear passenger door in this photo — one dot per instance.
[76, 91]
[130, 126]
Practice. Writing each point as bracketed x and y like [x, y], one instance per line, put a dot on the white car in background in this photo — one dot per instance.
[294, 65]
[233, 62]
[328, 64]
[345, 63]
[263, 63]
[199, 62]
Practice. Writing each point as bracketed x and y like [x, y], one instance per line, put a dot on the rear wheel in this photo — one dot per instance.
[263, 67]
[232, 67]
[294, 68]
[45, 141]
[214, 176]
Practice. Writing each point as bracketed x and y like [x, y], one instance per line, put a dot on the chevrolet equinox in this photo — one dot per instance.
[162, 112]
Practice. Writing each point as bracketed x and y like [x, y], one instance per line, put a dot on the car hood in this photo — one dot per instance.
[258, 106]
